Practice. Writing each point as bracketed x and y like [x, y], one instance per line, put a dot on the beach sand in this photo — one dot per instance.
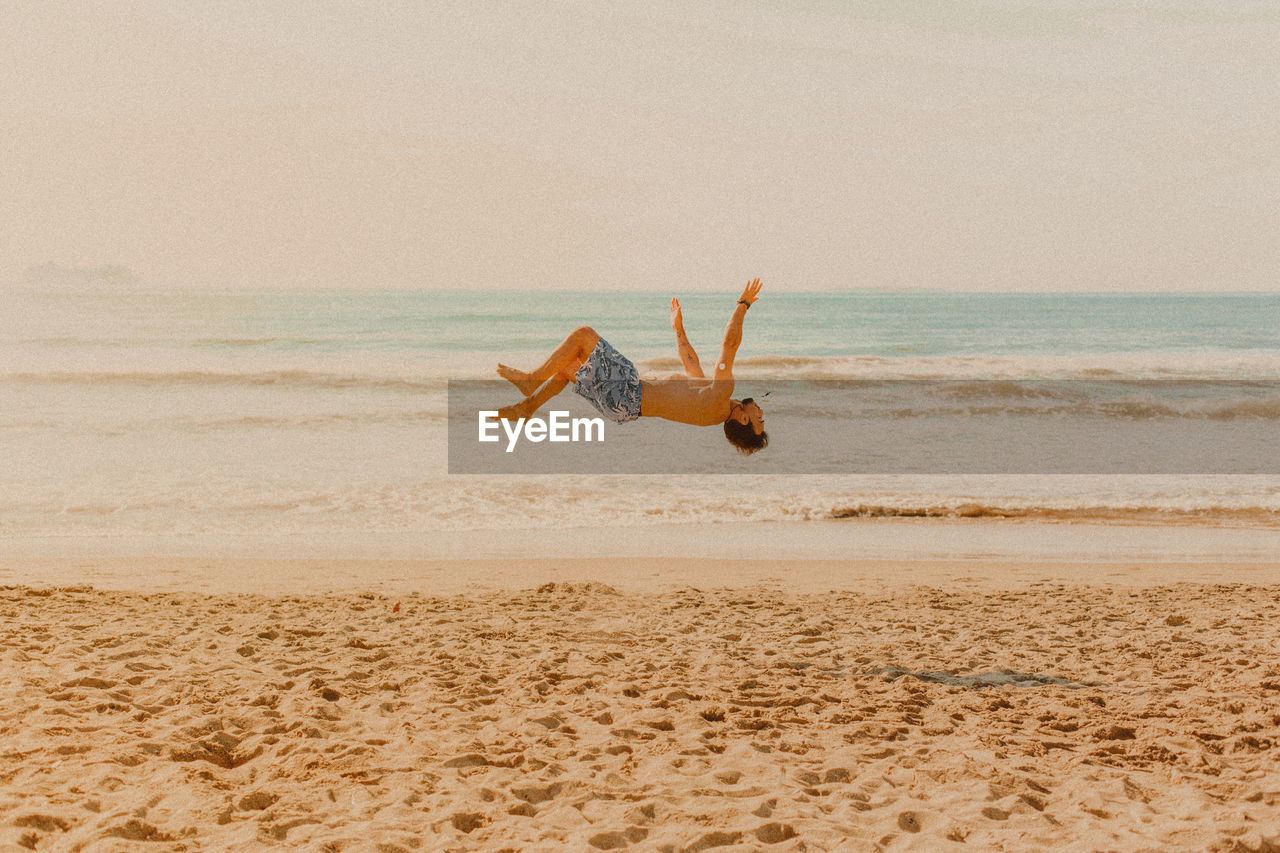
[1097, 715]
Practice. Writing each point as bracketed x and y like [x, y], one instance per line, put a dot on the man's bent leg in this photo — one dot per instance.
[565, 360]
[525, 408]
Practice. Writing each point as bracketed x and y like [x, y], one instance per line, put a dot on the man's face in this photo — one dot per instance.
[748, 412]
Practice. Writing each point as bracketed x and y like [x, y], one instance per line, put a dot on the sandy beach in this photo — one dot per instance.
[1096, 715]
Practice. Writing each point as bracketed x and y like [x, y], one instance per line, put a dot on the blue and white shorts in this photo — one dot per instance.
[610, 382]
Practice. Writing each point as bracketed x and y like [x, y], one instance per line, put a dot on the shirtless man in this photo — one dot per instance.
[611, 383]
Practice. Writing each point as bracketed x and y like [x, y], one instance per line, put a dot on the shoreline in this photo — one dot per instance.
[813, 556]
[631, 575]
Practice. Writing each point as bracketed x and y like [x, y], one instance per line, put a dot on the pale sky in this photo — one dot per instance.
[818, 144]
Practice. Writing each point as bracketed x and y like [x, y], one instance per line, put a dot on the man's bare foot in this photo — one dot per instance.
[514, 412]
[526, 383]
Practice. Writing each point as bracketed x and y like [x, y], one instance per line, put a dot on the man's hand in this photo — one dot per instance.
[677, 318]
[733, 333]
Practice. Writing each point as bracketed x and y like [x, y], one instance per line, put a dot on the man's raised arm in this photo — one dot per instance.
[733, 332]
[692, 367]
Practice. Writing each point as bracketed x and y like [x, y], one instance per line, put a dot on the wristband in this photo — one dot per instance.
[744, 302]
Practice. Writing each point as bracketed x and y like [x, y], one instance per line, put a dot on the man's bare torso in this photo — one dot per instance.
[685, 399]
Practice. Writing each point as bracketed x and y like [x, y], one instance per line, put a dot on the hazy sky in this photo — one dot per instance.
[817, 144]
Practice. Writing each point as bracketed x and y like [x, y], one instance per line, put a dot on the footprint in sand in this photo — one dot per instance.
[910, 822]
[138, 830]
[257, 801]
[766, 808]
[642, 814]
[713, 839]
[618, 840]
[42, 822]
[467, 822]
[534, 794]
[775, 833]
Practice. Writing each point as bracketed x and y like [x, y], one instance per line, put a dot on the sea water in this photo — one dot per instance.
[278, 412]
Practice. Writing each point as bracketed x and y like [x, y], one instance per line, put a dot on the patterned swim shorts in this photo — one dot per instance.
[610, 382]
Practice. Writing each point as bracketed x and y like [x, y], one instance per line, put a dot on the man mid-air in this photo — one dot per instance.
[611, 383]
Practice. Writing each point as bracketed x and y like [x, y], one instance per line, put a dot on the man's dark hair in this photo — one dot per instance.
[743, 437]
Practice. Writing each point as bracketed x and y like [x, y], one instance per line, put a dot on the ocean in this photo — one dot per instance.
[292, 413]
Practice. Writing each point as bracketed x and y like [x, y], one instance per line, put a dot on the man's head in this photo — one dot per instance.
[745, 427]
